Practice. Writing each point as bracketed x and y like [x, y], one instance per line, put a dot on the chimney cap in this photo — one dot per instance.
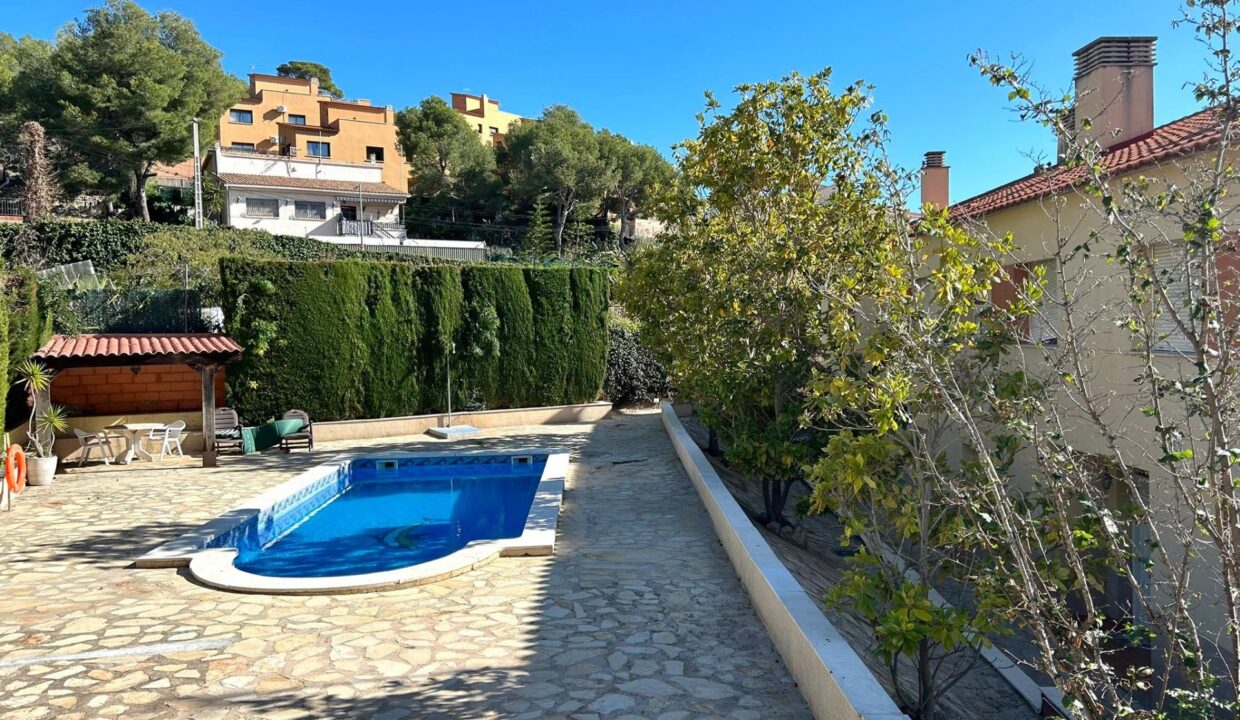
[935, 158]
[1115, 51]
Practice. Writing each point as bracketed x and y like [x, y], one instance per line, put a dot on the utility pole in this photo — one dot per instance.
[197, 180]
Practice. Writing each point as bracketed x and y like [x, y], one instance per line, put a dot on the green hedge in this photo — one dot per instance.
[357, 339]
[28, 326]
[106, 243]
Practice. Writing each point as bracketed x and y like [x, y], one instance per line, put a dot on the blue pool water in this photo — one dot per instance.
[376, 514]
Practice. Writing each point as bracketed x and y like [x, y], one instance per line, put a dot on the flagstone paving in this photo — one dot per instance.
[638, 615]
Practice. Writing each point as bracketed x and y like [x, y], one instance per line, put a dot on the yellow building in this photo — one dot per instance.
[484, 116]
[294, 161]
[1048, 215]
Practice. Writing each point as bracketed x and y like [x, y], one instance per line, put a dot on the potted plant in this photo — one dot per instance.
[44, 423]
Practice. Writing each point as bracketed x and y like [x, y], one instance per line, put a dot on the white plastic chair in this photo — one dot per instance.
[90, 441]
[169, 439]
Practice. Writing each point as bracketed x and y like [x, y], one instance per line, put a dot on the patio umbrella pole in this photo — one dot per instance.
[450, 430]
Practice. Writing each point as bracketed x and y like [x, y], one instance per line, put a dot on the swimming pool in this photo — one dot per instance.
[376, 521]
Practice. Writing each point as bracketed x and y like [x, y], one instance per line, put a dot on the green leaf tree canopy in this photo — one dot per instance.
[447, 160]
[559, 155]
[124, 88]
[306, 70]
[638, 169]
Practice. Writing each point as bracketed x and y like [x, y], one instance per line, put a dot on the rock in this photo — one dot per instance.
[649, 687]
[611, 702]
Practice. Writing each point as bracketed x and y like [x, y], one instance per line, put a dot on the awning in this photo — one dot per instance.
[371, 199]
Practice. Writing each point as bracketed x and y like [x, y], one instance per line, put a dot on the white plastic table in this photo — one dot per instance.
[131, 431]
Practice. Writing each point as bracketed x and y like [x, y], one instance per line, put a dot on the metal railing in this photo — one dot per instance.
[371, 228]
[356, 227]
[12, 206]
[234, 150]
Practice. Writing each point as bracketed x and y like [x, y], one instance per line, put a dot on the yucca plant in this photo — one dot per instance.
[36, 379]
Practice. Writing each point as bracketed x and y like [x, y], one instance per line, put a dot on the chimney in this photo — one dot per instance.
[934, 187]
[1115, 89]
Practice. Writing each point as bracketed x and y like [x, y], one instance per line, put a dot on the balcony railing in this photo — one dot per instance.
[248, 151]
[356, 227]
[371, 228]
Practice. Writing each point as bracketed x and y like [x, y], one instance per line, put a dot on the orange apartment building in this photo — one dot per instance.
[294, 161]
[484, 116]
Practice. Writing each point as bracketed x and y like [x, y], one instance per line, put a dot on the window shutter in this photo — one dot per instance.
[1229, 283]
[1169, 269]
[1003, 294]
[1042, 327]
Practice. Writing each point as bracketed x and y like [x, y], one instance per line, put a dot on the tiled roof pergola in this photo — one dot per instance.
[205, 352]
[91, 350]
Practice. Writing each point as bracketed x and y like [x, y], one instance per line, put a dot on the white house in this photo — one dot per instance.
[331, 201]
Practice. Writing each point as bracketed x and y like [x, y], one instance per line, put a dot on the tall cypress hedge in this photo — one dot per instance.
[25, 324]
[358, 339]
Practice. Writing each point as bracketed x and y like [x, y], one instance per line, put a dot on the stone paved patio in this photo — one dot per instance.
[638, 615]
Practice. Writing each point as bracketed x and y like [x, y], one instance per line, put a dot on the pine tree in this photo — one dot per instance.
[536, 241]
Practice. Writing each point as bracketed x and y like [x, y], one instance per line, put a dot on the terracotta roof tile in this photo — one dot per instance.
[138, 346]
[1175, 139]
[308, 184]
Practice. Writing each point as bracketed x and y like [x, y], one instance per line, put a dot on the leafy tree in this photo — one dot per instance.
[732, 300]
[306, 70]
[638, 170]
[447, 160]
[723, 300]
[125, 86]
[559, 156]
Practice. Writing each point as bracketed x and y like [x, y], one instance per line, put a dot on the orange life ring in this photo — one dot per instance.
[15, 468]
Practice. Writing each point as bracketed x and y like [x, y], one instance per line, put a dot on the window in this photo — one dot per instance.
[307, 210]
[1172, 271]
[479, 128]
[1042, 325]
[1038, 328]
[242, 147]
[245, 117]
[348, 212]
[262, 207]
[296, 119]
[494, 131]
[374, 154]
[315, 148]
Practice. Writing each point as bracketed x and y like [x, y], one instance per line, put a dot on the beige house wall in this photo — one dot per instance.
[1113, 355]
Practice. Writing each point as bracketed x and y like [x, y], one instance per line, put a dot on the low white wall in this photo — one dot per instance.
[831, 676]
[418, 424]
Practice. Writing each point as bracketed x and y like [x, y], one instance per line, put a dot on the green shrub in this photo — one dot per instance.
[106, 243]
[352, 339]
[634, 376]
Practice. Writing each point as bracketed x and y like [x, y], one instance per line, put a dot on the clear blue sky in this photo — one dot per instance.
[639, 68]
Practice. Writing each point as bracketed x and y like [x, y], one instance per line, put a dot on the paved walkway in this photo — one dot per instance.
[639, 614]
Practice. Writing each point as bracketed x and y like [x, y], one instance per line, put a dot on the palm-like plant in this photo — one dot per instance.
[36, 379]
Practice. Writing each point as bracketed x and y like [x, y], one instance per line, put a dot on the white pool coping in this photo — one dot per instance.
[833, 679]
[214, 566]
